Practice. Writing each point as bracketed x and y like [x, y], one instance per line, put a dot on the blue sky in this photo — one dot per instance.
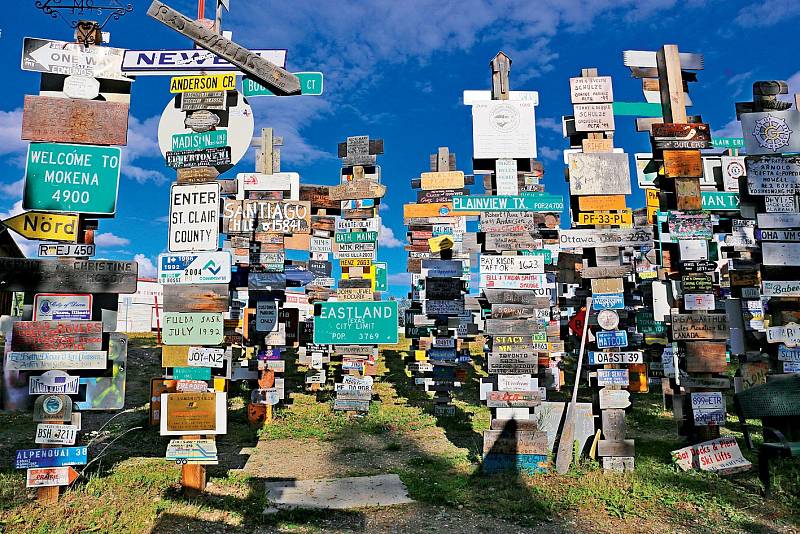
[396, 70]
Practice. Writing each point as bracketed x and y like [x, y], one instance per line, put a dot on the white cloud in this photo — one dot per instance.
[767, 13]
[28, 247]
[383, 206]
[548, 123]
[387, 239]
[143, 175]
[732, 129]
[146, 267]
[399, 279]
[549, 153]
[107, 239]
[10, 127]
[14, 189]
[142, 145]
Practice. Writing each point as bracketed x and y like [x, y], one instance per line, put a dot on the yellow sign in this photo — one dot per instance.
[174, 356]
[652, 197]
[601, 202]
[45, 226]
[620, 218]
[422, 356]
[355, 262]
[652, 213]
[440, 243]
[196, 84]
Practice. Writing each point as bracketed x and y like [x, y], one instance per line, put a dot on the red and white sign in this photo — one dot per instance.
[51, 476]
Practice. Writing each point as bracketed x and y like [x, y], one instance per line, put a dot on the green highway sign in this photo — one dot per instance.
[72, 178]
[541, 202]
[546, 252]
[356, 237]
[727, 142]
[310, 85]
[381, 276]
[198, 141]
[356, 323]
[719, 201]
[637, 109]
[191, 373]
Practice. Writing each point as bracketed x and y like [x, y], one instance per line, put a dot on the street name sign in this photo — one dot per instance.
[45, 226]
[186, 61]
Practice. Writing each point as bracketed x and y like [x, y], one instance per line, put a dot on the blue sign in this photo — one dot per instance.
[614, 338]
[443, 268]
[57, 457]
[612, 377]
[608, 301]
[191, 373]
[530, 463]
[441, 354]
[298, 274]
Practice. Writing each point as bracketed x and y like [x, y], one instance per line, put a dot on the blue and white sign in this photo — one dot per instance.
[58, 457]
[612, 377]
[62, 307]
[195, 268]
[608, 301]
[358, 203]
[442, 268]
[612, 339]
[186, 62]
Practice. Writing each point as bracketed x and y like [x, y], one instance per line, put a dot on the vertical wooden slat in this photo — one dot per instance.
[670, 79]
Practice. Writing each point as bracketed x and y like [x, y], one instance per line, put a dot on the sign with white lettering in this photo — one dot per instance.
[72, 59]
[62, 307]
[193, 217]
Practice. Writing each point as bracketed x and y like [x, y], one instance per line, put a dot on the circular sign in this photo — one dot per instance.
[772, 133]
[201, 120]
[84, 87]
[608, 319]
[504, 118]
[53, 405]
[237, 122]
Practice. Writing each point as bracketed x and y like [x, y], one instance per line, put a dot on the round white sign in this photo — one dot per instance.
[608, 319]
[83, 87]
[237, 121]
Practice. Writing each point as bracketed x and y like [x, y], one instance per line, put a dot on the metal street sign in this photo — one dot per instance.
[719, 201]
[208, 157]
[194, 217]
[53, 382]
[197, 268]
[62, 307]
[261, 70]
[72, 120]
[311, 84]
[541, 202]
[200, 141]
[356, 323]
[45, 226]
[56, 250]
[68, 275]
[72, 59]
[186, 61]
[72, 178]
[198, 84]
[50, 476]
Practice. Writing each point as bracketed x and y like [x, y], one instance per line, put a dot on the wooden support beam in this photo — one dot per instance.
[670, 80]
[501, 66]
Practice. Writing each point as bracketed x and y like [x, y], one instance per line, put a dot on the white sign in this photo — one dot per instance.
[618, 237]
[721, 454]
[698, 301]
[506, 177]
[266, 316]
[366, 225]
[194, 217]
[511, 264]
[780, 203]
[320, 244]
[60, 57]
[778, 220]
[53, 382]
[62, 307]
[772, 288]
[83, 87]
[594, 117]
[627, 357]
[504, 129]
[515, 382]
[708, 401]
[206, 357]
[786, 254]
[788, 334]
[186, 62]
[69, 250]
[279, 181]
[199, 268]
[732, 168]
[513, 281]
[49, 434]
[591, 89]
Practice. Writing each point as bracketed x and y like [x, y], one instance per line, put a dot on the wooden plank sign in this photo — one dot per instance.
[594, 117]
[683, 163]
[513, 363]
[520, 442]
[513, 399]
[638, 236]
[699, 326]
[688, 194]
[192, 328]
[442, 180]
[510, 241]
[706, 357]
[357, 189]
[599, 174]
[68, 275]
[512, 264]
[675, 136]
[56, 335]
[614, 399]
[591, 89]
[70, 120]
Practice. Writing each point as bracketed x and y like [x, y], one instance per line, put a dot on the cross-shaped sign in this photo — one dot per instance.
[360, 150]
[268, 159]
[443, 160]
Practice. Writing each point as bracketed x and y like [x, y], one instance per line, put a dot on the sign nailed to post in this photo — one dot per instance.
[356, 323]
[193, 217]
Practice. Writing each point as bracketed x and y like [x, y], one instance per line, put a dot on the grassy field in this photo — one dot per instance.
[132, 489]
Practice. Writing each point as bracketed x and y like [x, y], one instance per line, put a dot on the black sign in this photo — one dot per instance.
[322, 269]
[443, 288]
[68, 275]
[698, 266]
[266, 281]
[698, 283]
[207, 157]
[439, 195]
[354, 283]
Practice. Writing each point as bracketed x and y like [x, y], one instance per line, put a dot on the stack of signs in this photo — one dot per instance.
[771, 139]
[203, 132]
[438, 323]
[518, 225]
[357, 321]
[688, 195]
[599, 179]
[66, 353]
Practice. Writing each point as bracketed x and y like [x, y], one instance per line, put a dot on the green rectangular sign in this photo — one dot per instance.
[727, 142]
[199, 141]
[191, 373]
[310, 84]
[72, 178]
[719, 201]
[541, 202]
[356, 237]
[637, 109]
[381, 276]
[356, 323]
[179, 328]
[546, 252]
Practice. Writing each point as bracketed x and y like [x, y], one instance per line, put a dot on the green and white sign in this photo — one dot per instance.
[541, 202]
[356, 237]
[310, 84]
[191, 373]
[356, 323]
[546, 252]
[718, 201]
[727, 142]
[381, 276]
[199, 141]
[72, 178]
[192, 328]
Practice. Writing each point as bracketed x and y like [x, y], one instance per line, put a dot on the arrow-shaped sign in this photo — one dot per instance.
[51, 476]
[278, 80]
[45, 226]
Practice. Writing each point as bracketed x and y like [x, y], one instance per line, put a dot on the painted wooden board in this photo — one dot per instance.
[57, 335]
[611, 271]
[510, 241]
[593, 117]
[357, 189]
[613, 423]
[511, 264]
[442, 180]
[601, 202]
[688, 194]
[513, 363]
[599, 174]
[676, 136]
[614, 399]
[540, 299]
[699, 326]
[591, 89]
[71, 120]
[684, 163]
[68, 275]
[706, 357]
[623, 447]
[638, 236]
[519, 442]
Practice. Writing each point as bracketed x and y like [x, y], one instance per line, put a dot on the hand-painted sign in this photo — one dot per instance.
[280, 216]
[699, 326]
[193, 217]
[613, 338]
[511, 264]
[773, 175]
[197, 268]
[513, 281]
[635, 237]
[67, 276]
[593, 117]
[773, 288]
[50, 434]
[721, 455]
[57, 335]
[590, 89]
[72, 59]
[540, 202]
[788, 334]
[55, 457]
[59, 250]
[603, 358]
[612, 377]
[72, 178]
[50, 476]
[185, 61]
[43, 361]
[599, 174]
[192, 328]
[43, 225]
[70, 120]
[311, 84]
[356, 323]
[676, 136]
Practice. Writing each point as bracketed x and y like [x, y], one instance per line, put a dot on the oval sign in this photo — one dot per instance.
[608, 319]
[201, 120]
[83, 87]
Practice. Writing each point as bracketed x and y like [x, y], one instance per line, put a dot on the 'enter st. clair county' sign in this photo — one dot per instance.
[356, 323]
[72, 178]
[542, 202]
